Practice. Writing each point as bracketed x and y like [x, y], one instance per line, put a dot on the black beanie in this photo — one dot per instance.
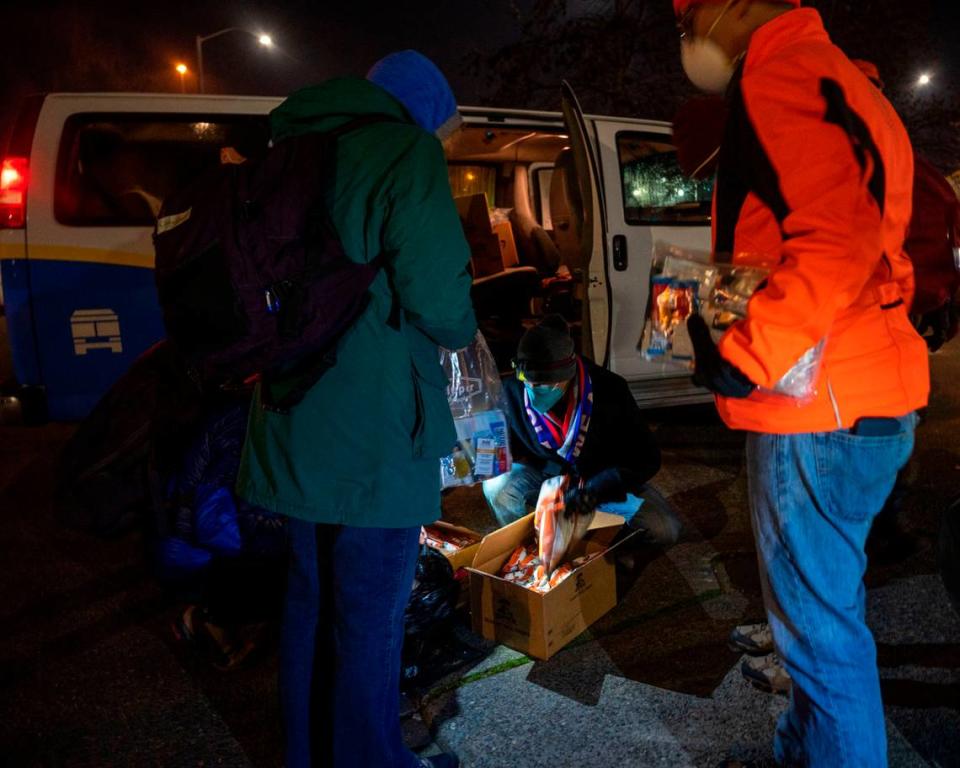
[546, 352]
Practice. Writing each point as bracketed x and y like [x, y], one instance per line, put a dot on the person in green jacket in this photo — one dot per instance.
[355, 465]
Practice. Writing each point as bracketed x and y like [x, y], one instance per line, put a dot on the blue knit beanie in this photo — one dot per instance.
[413, 80]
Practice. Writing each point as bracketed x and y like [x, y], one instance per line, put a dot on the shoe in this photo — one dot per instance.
[767, 673]
[446, 760]
[752, 639]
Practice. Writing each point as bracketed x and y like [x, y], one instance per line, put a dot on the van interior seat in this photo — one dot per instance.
[566, 210]
[501, 294]
[534, 245]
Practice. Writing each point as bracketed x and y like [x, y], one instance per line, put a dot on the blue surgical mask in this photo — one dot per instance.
[543, 397]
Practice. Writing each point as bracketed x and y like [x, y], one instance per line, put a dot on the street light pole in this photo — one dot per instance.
[264, 40]
[200, 63]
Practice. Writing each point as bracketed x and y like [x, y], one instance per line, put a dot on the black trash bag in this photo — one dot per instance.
[434, 594]
[433, 645]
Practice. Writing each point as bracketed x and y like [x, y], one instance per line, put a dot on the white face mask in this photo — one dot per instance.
[705, 62]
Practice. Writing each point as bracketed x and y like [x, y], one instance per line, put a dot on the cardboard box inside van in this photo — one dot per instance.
[540, 624]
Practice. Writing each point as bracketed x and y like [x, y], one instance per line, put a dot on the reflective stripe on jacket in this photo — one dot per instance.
[816, 177]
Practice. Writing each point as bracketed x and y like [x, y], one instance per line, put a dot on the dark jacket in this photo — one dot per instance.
[363, 447]
[618, 438]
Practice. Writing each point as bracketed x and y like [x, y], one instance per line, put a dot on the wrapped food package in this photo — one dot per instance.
[524, 568]
[482, 449]
[446, 540]
[557, 532]
[673, 300]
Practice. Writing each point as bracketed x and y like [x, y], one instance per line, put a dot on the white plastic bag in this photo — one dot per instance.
[482, 450]
[473, 376]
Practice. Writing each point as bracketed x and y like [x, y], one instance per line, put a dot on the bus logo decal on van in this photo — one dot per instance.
[95, 329]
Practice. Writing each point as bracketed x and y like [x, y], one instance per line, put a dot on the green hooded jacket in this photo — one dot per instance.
[362, 448]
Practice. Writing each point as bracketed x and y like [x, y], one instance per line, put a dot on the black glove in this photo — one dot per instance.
[939, 326]
[579, 501]
[710, 369]
[602, 487]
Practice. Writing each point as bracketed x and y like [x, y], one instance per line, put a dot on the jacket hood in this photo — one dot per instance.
[328, 105]
[416, 82]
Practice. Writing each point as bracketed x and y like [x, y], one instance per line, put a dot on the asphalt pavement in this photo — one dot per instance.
[90, 674]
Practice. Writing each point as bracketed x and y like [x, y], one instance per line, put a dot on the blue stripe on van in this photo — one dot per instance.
[91, 322]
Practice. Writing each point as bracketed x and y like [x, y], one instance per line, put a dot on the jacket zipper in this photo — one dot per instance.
[833, 402]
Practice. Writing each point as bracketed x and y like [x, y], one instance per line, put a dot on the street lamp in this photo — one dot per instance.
[181, 70]
[924, 79]
[265, 40]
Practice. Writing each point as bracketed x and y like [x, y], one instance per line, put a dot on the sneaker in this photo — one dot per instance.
[752, 639]
[767, 673]
[446, 760]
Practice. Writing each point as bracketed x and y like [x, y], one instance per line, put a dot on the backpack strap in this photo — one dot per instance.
[309, 371]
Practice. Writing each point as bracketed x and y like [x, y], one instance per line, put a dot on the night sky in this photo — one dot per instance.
[94, 44]
[97, 45]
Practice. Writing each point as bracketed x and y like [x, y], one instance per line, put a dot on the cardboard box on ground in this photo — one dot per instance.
[535, 623]
[463, 557]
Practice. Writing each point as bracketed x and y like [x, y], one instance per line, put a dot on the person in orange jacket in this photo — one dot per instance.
[814, 178]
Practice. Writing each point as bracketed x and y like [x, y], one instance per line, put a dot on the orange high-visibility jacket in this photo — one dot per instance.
[816, 177]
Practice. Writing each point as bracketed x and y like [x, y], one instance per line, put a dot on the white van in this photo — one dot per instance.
[562, 212]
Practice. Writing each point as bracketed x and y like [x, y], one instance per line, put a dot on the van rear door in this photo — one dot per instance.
[596, 319]
[649, 201]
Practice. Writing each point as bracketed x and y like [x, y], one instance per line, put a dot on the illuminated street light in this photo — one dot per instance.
[924, 79]
[181, 70]
[265, 40]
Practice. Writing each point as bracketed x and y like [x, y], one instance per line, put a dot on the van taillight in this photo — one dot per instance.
[13, 192]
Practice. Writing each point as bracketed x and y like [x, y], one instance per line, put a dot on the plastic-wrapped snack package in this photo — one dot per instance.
[731, 292]
[557, 531]
[445, 540]
[482, 450]
[672, 301]
[523, 568]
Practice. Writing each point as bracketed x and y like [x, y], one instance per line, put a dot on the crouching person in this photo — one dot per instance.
[569, 416]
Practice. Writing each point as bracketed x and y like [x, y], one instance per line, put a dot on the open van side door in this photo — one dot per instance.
[596, 310]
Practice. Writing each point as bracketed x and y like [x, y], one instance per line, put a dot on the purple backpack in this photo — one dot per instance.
[252, 278]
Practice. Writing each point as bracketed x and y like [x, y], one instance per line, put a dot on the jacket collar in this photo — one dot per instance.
[803, 24]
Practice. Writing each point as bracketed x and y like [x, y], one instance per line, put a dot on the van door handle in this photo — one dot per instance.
[620, 253]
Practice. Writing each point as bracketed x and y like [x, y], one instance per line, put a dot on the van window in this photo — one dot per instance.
[115, 170]
[467, 180]
[655, 190]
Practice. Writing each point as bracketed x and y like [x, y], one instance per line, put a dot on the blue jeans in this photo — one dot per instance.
[510, 494]
[813, 498]
[341, 640]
